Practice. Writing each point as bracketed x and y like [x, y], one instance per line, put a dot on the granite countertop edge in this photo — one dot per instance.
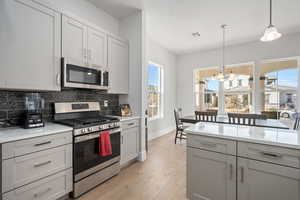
[248, 139]
[13, 134]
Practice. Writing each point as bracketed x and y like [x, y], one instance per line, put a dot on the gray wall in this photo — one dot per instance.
[159, 55]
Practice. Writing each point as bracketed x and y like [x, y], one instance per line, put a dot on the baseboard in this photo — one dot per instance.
[142, 156]
[156, 134]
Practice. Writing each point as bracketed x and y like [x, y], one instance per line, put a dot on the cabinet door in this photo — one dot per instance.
[118, 64]
[129, 144]
[74, 41]
[97, 48]
[210, 175]
[132, 138]
[30, 47]
[261, 181]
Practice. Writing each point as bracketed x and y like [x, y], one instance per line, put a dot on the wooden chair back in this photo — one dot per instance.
[205, 116]
[297, 121]
[177, 118]
[244, 119]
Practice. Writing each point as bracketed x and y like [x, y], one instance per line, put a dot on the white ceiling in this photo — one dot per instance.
[118, 8]
[171, 22]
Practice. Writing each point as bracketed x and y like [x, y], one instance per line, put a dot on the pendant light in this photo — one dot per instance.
[221, 76]
[271, 32]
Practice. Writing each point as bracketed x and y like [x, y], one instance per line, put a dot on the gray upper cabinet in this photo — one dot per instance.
[210, 175]
[83, 45]
[261, 181]
[97, 48]
[118, 64]
[30, 48]
[74, 41]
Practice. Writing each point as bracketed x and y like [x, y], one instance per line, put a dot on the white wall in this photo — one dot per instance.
[162, 56]
[287, 46]
[133, 29]
[130, 28]
[87, 11]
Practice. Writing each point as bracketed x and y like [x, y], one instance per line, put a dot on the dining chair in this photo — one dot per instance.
[206, 116]
[179, 126]
[297, 121]
[244, 119]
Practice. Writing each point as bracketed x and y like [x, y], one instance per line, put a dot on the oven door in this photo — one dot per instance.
[74, 76]
[86, 154]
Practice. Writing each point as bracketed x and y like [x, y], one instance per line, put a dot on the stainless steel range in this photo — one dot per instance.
[89, 168]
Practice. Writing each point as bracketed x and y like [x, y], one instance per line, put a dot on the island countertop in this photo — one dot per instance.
[252, 134]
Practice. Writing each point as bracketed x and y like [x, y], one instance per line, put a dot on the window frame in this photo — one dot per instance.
[221, 91]
[161, 91]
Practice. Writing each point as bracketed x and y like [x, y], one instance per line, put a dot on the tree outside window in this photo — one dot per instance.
[155, 90]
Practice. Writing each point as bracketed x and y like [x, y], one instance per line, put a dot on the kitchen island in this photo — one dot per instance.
[229, 162]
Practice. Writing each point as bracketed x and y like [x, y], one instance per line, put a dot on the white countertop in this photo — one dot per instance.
[270, 136]
[127, 118]
[19, 133]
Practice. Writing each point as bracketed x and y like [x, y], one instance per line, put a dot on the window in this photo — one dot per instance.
[206, 89]
[155, 90]
[279, 83]
[238, 90]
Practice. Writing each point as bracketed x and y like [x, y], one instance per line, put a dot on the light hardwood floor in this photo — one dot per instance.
[161, 177]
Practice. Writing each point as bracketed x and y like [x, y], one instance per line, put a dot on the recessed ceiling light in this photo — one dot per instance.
[196, 34]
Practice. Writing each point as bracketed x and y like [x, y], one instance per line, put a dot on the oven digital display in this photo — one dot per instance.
[80, 106]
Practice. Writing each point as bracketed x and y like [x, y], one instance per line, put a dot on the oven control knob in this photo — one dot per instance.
[90, 129]
[83, 131]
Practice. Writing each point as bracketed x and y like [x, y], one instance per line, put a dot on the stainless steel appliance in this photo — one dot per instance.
[89, 168]
[76, 76]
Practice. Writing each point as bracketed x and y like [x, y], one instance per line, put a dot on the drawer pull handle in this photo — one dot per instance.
[271, 155]
[130, 124]
[231, 171]
[41, 144]
[242, 175]
[209, 145]
[36, 195]
[42, 164]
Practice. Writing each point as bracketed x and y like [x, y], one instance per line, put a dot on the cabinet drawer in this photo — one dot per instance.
[272, 154]
[22, 147]
[22, 170]
[212, 144]
[52, 187]
[130, 124]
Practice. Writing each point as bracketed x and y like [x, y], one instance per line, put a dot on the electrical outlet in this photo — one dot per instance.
[105, 103]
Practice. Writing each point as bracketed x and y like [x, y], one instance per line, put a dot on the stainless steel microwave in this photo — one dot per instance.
[75, 76]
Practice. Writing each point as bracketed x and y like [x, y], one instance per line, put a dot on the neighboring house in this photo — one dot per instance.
[286, 100]
[287, 95]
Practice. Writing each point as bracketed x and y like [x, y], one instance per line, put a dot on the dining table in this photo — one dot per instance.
[267, 123]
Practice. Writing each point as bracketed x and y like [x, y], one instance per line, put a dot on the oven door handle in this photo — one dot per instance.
[94, 135]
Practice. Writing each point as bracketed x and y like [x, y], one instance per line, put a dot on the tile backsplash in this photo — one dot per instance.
[12, 103]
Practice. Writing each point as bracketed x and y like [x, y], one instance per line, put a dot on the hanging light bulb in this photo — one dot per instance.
[271, 32]
[220, 76]
[231, 76]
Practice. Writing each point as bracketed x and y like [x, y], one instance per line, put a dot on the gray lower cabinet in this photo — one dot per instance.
[129, 140]
[37, 168]
[49, 188]
[261, 181]
[210, 175]
[256, 172]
